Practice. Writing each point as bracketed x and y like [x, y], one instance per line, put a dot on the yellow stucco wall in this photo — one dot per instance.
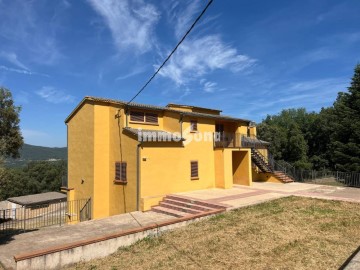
[265, 177]
[81, 153]
[241, 162]
[165, 167]
[122, 197]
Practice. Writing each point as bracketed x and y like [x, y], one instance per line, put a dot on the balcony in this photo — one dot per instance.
[237, 140]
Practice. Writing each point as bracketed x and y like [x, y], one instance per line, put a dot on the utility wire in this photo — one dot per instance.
[172, 52]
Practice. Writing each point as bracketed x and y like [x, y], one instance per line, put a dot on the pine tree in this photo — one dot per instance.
[346, 137]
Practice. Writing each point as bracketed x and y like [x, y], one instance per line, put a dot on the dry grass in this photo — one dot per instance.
[288, 233]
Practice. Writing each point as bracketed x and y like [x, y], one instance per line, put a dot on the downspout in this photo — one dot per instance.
[181, 122]
[127, 116]
[138, 176]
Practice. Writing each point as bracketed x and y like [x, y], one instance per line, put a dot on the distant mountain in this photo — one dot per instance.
[35, 153]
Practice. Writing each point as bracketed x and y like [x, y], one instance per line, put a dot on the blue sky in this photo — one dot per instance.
[248, 58]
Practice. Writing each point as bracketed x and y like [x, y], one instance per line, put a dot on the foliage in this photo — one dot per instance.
[329, 139]
[346, 134]
[10, 135]
[36, 177]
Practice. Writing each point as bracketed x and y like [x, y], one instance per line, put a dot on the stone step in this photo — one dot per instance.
[188, 205]
[196, 201]
[167, 211]
[179, 208]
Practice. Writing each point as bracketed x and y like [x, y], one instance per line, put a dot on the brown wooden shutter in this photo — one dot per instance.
[193, 125]
[151, 118]
[194, 165]
[117, 171]
[137, 116]
[120, 171]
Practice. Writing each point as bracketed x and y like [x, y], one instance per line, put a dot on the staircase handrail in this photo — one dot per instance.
[286, 167]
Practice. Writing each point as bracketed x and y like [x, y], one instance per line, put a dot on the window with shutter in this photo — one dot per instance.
[193, 125]
[194, 167]
[151, 118]
[120, 171]
[137, 116]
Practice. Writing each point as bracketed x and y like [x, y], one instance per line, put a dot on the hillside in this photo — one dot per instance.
[32, 153]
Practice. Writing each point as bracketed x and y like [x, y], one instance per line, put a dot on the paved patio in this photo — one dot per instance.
[238, 196]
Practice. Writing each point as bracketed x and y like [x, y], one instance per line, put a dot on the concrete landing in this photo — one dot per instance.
[54, 236]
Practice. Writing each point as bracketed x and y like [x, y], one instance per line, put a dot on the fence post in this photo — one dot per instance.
[60, 212]
[24, 210]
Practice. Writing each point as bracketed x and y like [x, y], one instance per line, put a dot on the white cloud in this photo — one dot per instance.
[208, 86]
[183, 17]
[12, 58]
[197, 57]
[29, 32]
[131, 22]
[55, 96]
[134, 72]
[22, 71]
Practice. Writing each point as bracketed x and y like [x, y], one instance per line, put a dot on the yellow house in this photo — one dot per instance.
[127, 157]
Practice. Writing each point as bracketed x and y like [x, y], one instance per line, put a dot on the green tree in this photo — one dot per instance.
[346, 136]
[11, 139]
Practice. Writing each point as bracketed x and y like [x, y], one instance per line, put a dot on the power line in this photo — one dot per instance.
[172, 52]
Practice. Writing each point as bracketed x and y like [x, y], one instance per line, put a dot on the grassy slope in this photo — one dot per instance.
[289, 233]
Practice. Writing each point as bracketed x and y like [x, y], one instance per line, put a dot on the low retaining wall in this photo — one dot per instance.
[60, 256]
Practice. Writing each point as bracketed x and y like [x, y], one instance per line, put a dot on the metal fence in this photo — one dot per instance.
[27, 218]
[350, 179]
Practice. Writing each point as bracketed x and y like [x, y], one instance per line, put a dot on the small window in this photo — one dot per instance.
[151, 118]
[194, 167]
[137, 116]
[120, 171]
[193, 125]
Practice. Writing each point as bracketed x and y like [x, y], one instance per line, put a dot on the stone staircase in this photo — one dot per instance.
[264, 166]
[283, 177]
[181, 206]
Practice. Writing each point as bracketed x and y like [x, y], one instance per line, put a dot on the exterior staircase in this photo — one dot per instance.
[263, 164]
[181, 206]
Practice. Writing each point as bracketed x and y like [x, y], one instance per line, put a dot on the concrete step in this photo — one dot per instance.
[179, 208]
[196, 202]
[167, 211]
[188, 205]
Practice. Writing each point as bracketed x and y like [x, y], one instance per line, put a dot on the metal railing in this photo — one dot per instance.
[336, 178]
[236, 140]
[21, 219]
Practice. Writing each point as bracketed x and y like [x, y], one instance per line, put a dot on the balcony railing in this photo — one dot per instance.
[237, 140]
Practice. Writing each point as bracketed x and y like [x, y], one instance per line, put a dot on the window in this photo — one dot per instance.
[151, 118]
[137, 116]
[193, 125]
[194, 168]
[143, 117]
[120, 171]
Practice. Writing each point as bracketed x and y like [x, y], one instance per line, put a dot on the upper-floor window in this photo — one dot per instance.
[193, 125]
[144, 117]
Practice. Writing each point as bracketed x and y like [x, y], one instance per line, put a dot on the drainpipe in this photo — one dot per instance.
[138, 176]
[127, 116]
[181, 122]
